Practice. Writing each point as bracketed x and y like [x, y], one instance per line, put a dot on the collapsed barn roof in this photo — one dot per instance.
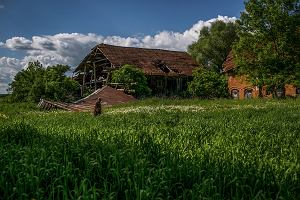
[150, 61]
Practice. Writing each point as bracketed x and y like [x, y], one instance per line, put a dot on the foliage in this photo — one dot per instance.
[37, 82]
[214, 44]
[28, 84]
[215, 150]
[58, 86]
[133, 80]
[208, 84]
[269, 45]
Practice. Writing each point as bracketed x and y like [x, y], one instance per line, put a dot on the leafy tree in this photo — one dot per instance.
[28, 83]
[268, 50]
[58, 86]
[208, 84]
[37, 82]
[133, 80]
[214, 45]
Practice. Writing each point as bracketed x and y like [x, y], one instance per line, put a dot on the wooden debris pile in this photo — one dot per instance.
[109, 96]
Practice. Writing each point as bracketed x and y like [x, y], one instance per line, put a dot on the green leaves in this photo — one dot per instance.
[213, 45]
[208, 84]
[37, 82]
[269, 43]
[133, 80]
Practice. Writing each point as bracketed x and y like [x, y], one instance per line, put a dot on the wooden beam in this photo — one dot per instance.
[99, 60]
[95, 77]
[102, 64]
[83, 81]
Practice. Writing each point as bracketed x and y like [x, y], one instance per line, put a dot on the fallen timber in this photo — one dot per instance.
[49, 105]
[109, 96]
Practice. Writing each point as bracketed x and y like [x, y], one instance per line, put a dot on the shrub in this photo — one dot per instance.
[133, 79]
[208, 84]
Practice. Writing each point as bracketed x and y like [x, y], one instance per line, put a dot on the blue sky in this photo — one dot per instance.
[60, 31]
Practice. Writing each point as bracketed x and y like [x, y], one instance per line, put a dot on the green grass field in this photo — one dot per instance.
[153, 149]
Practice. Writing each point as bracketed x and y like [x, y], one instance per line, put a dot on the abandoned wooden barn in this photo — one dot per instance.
[167, 72]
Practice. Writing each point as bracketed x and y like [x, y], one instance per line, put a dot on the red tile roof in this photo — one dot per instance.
[108, 95]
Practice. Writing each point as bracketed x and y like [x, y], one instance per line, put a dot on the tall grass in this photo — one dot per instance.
[227, 150]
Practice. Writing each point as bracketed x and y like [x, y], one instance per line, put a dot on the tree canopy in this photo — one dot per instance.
[37, 82]
[133, 79]
[268, 50]
[214, 45]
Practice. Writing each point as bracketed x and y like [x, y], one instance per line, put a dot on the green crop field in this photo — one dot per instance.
[153, 149]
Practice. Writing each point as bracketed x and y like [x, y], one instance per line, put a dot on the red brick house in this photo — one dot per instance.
[240, 88]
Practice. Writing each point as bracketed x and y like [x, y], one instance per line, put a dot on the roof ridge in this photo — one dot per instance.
[151, 49]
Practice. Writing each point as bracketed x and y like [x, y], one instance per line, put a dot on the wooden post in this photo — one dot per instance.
[95, 76]
[165, 88]
[107, 78]
[180, 84]
[83, 81]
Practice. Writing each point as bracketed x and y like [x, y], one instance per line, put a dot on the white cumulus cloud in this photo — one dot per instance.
[70, 48]
[18, 43]
[8, 69]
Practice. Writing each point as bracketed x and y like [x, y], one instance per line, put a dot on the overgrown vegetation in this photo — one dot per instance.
[265, 42]
[208, 84]
[154, 149]
[214, 44]
[268, 50]
[133, 80]
[37, 82]
[210, 51]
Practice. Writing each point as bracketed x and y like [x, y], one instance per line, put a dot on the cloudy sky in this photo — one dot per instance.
[63, 31]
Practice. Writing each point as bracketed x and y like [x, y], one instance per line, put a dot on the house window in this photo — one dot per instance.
[235, 93]
[279, 93]
[248, 93]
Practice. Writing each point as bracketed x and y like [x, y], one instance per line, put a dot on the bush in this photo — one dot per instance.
[208, 84]
[133, 79]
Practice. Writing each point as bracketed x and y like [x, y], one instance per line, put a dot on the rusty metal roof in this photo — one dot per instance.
[176, 62]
